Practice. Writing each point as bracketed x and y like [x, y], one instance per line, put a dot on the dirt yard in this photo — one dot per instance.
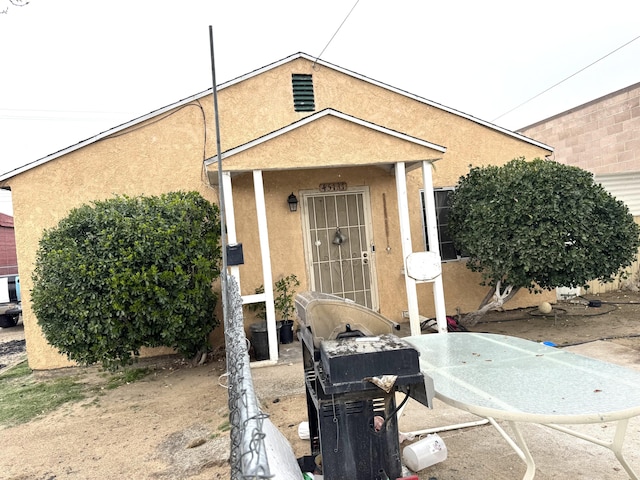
[173, 424]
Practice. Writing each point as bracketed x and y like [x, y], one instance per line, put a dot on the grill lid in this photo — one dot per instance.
[330, 317]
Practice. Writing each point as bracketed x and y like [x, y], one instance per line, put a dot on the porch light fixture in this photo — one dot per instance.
[293, 202]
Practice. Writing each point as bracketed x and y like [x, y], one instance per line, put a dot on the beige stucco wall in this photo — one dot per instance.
[166, 154]
[328, 142]
[462, 289]
[466, 142]
[248, 111]
[156, 158]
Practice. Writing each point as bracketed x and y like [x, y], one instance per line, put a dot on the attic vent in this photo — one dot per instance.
[303, 100]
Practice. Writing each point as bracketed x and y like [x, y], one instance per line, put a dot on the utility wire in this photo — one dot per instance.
[334, 35]
[564, 80]
[64, 119]
[65, 115]
[61, 111]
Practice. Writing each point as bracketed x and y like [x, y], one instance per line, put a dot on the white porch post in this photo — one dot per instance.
[405, 235]
[434, 244]
[230, 220]
[267, 276]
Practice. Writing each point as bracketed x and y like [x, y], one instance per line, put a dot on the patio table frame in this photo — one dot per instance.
[505, 378]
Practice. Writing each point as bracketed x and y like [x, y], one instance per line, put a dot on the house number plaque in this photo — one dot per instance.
[333, 187]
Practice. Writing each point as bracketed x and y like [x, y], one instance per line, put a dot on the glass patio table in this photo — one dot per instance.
[498, 377]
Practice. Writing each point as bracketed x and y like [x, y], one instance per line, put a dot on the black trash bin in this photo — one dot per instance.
[260, 339]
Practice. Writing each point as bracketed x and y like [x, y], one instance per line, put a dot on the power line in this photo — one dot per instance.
[334, 35]
[61, 111]
[59, 115]
[52, 118]
[65, 115]
[564, 80]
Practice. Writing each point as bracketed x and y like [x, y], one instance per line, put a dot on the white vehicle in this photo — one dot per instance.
[10, 301]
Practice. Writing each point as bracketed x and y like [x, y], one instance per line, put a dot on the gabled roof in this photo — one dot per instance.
[432, 151]
[254, 73]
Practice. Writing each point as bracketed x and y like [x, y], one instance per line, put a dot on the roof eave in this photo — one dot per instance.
[256, 72]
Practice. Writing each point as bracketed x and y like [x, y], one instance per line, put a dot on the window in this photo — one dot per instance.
[303, 100]
[443, 207]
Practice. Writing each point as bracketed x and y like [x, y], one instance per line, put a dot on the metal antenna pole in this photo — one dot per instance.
[223, 226]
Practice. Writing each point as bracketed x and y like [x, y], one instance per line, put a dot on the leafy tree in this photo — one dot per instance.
[127, 273]
[539, 225]
[285, 295]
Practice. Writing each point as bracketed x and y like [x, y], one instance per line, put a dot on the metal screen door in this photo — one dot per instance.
[338, 245]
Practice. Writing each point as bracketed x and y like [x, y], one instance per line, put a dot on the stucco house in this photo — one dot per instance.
[356, 154]
[601, 136]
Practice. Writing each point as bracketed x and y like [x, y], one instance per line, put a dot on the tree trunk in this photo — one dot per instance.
[494, 300]
[200, 358]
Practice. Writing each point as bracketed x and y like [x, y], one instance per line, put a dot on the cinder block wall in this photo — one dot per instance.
[602, 136]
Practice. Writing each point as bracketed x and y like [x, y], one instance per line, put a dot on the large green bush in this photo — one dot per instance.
[541, 225]
[126, 273]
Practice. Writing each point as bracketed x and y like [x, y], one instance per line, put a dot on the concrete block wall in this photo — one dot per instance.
[602, 136]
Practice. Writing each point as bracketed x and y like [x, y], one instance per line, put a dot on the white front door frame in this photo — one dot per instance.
[370, 253]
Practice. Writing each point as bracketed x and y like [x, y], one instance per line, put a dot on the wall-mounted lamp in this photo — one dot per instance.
[293, 202]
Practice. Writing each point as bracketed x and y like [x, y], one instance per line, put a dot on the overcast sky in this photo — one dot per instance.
[74, 68]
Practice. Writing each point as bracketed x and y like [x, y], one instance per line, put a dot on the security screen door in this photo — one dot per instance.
[338, 244]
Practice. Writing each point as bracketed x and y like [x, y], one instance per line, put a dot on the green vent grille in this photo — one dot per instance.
[303, 100]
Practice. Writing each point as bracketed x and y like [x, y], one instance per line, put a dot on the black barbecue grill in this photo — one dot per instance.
[354, 365]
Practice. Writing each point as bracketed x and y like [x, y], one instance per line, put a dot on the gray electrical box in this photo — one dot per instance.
[235, 255]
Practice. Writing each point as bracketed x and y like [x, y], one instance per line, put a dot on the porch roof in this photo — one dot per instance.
[328, 138]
